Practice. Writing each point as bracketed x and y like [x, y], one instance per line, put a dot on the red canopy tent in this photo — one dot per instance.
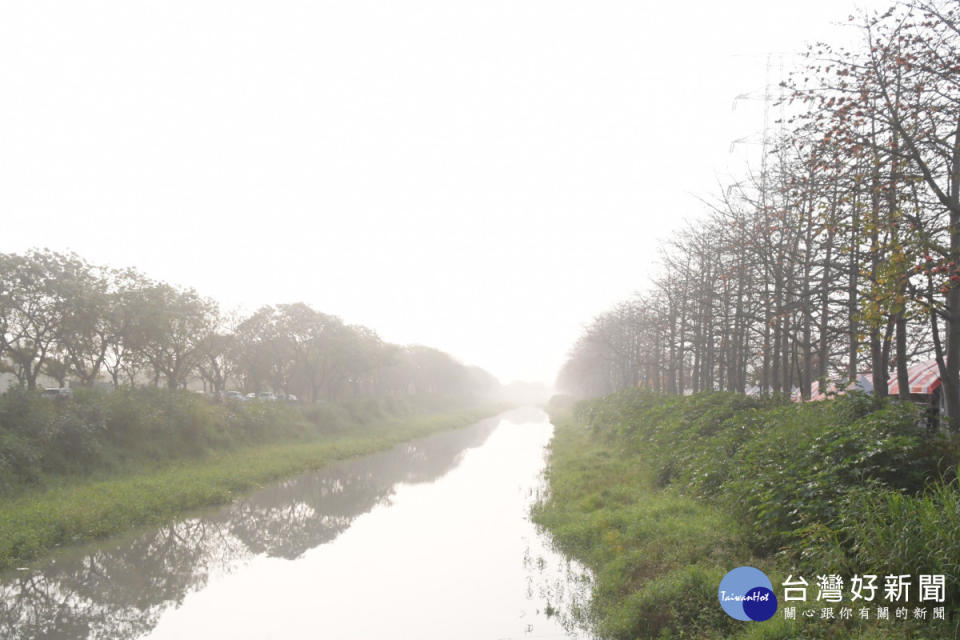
[924, 379]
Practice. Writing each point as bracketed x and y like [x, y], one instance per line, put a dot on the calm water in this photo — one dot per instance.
[430, 540]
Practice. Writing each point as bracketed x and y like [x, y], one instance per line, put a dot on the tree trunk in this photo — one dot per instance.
[903, 379]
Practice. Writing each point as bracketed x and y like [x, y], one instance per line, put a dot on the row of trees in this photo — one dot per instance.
[65, 318]
[842, 254]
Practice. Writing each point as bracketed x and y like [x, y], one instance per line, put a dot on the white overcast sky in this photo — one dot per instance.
[483, 177]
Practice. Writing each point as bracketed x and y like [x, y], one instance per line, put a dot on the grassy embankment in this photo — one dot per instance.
[661, 496]
[103, 463]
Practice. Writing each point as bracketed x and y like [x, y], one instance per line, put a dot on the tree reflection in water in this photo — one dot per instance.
[119, 589]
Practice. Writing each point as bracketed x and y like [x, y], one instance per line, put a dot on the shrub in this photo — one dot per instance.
[682, 603]
[660, 495]
[910, 534]
[99, 430]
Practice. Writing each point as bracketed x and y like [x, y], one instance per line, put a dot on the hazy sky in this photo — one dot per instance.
[481, 177]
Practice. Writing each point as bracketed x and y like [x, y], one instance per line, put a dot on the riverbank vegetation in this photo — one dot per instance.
[835, 265]
[838, 255]
[661, 495]
[65, 321]
[162, 401]
[104, 462]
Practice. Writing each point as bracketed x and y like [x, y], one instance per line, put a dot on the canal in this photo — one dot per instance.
[430, 540]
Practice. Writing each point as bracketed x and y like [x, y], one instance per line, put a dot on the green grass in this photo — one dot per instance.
[77, 508]
[643, 544]
[660, 496]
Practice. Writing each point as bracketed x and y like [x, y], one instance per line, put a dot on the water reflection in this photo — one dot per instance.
[122, 589]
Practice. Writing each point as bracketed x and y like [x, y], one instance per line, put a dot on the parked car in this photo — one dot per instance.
[233, 395]
[54, 392]
[267, 396]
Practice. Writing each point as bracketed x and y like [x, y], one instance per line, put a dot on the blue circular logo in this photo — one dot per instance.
[747, 594]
